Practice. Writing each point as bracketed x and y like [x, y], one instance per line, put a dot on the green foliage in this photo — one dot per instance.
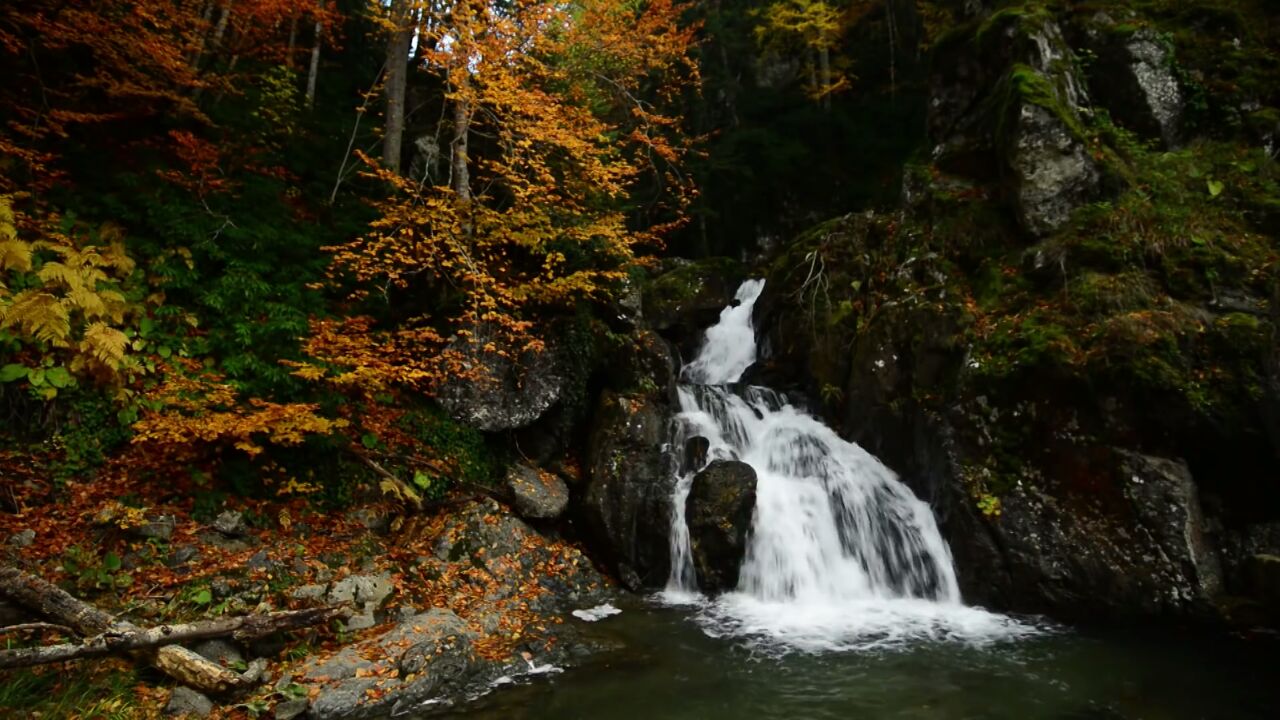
[471, 459]
[80, 691]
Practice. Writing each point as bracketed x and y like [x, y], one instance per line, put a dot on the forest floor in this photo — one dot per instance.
[149, 552]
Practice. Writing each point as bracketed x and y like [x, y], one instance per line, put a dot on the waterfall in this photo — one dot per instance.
[841, 553]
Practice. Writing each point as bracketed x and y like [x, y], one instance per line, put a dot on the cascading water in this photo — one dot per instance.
[841, 554]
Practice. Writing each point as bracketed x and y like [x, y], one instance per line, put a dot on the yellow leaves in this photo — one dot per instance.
[39, 315]
[104, 345]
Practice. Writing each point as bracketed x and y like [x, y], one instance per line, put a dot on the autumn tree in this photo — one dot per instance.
[572, 104]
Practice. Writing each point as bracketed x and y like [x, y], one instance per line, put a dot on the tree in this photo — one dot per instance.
[569, 100]
[813, 26]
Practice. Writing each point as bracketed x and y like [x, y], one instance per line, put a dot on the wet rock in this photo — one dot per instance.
[185, 702]
[536, 494]
[230, 522]
[695, 454]
[719, 509]
[627, 503]
[23, 539]
[223, 652]
[1142, 554]
[502, 395]
[645, 365]
[1134, 77]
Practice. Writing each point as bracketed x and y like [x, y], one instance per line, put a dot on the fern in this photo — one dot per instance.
[39, 315]
[105, 345]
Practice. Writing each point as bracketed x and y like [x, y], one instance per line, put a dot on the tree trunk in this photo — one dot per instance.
[397, 82]
[125, 640]
[824, 68]
[177, 662]
[315, 64]
[459, 171]
[293, 42]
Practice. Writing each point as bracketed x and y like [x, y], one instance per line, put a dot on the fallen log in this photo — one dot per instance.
[119, 640]
[175, 661]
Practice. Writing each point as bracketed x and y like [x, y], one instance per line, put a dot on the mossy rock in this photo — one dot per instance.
[692, 294]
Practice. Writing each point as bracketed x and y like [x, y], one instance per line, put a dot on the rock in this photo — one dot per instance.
[290, 709]
[362, 591]
[223, 652]
[184, 701]
[1052, 173]
[431, 651]
[627, 503]
[23, 539]
[157, 527]
[646, 364]
[536, 494]
[363, 621]
[695, 454]
[502, 395]
[256, 672]
[182, 555]
[308, 593]
[371, 519]
[1167, 505]
[691, 296]
[230, 522]
[1133, 76]
[1005, 106]
[719, 510]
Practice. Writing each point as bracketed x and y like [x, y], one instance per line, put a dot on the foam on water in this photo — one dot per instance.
[842, 555]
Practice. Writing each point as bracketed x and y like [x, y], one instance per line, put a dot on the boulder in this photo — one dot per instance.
[1134, 77]
[432, 652]
[493, 393]
[719, 510]
[690, 296]
[367, 592]
[627, 502]
[536, 494]
[1006, 106]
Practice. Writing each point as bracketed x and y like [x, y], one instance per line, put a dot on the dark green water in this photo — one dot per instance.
[665, 666]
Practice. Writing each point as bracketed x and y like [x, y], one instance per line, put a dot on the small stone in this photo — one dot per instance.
[290, 709]
[187, 702]
[230, 523]
[536, 494]
[223, 652]
[371, 519]
[255, 672]
[362, 590]
[221, 588]
[309, 592]
[23, 539]
[260, 561]
[182, 555]
[159, 527]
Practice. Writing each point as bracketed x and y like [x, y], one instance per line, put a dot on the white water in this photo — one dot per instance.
[842, 555]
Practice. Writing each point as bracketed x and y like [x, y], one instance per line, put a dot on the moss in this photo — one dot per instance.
[685, 282]
[1032, 17]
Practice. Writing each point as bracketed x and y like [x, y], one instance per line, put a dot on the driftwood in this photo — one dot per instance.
[105, 635]
[116, 641]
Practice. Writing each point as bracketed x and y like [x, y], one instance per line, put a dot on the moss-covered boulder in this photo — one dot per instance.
[688, 297]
